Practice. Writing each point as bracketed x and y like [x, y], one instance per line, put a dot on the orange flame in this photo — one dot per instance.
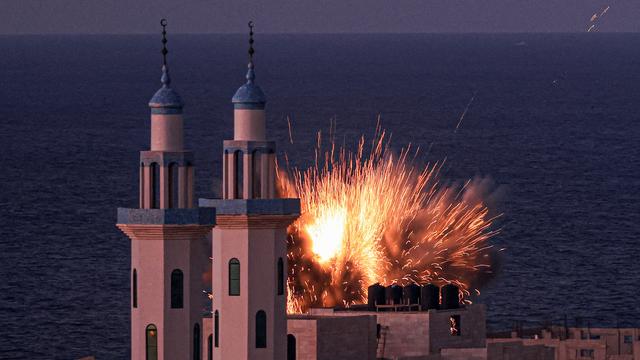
[377, 218]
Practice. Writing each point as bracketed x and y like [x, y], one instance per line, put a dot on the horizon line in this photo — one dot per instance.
[325, 33]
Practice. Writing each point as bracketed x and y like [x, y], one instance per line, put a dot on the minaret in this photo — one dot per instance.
[249, 241]
[168, 239]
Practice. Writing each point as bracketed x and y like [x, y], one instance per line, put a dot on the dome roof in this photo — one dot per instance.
[249, 95]
[166, 100]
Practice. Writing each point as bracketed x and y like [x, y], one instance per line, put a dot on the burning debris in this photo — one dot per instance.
[377, 218]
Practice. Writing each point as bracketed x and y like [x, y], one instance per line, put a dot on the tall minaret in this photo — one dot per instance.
[249, 241]
[168, 244]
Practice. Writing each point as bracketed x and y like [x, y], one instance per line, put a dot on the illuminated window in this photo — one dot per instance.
[234, 277]
[177, 285]
[261, 329]
[280, 276]
[454, 323]
[152, 342]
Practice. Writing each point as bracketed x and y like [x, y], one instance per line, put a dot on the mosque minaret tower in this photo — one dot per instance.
[168, 239]
[249, 241]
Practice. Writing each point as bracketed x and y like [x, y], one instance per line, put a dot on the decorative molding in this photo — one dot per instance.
[165, 232]
[254, 221]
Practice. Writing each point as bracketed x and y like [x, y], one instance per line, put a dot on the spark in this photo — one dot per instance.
[466, 109]
[595, 18]
[374, 216]
[289, 124]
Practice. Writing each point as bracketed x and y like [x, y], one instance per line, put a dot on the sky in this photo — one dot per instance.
[316, 16]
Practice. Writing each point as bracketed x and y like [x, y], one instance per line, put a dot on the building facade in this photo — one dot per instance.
[168, 239]
[249, 243]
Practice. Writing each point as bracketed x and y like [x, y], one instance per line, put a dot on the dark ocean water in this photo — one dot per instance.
[555, 124]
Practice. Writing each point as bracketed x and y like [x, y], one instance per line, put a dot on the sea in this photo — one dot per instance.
[551, 123]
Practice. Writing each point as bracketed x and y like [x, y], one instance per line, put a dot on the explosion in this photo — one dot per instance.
[375, 217]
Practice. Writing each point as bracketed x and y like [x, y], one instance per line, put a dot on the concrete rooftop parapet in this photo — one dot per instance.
[248, 146]
[199, 216]
[252, 206]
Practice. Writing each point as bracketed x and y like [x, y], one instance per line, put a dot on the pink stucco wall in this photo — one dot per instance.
[258, 251]
[154, 260]
[166, 132]
[249, 124]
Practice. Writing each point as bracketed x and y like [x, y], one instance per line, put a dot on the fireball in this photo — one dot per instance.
[376, 217]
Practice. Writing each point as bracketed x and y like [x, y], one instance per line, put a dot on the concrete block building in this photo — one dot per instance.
[416, 334]
[567, 343]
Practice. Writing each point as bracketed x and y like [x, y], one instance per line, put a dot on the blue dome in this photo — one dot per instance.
[249, 95]
[166, 100]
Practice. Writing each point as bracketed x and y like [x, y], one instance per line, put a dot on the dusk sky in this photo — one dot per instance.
[316, 16]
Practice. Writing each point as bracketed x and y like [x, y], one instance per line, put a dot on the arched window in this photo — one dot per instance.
[210, 347]
[196, 342]
[216, 328]
[173, 185]
[151, 342]
[257, 174]
[234, 277]
[237, 157]
[261, 329]
[134, 288]
[280, 276]
[155, 185]
[177, 284]
[291, 347]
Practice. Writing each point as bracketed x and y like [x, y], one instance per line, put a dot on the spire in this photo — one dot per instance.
[251, 75]
[165, 100]
[249, 95]
[165, 79]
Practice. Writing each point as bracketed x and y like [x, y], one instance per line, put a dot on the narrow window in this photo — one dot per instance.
[177, 282]
[155, 185]
[239, 193]
[225, 176]
[291, 347]
[261, 329]
[280, 276]
[142, 186]
[216, 327]
[134, 288]
[257, 174]
[196, 342]
[152, 342]
[210, 347]
[454, 322]
[234, 277]
[587, 353]
[173, 185]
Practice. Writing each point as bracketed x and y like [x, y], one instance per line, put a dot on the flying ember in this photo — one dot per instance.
[375, 217]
